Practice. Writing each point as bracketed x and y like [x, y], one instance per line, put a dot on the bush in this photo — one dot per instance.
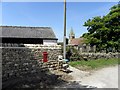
[74, 56]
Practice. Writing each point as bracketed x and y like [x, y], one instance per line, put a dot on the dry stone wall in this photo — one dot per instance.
[76, 56]
[0, 69]
[18, 62]
[93, 56]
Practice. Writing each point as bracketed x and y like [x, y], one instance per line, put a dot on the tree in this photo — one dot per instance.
[104, 32]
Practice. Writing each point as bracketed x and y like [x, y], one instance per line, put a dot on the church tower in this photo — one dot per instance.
[71, 35]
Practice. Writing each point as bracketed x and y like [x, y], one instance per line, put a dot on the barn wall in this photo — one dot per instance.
[49, 42]
[23, 40]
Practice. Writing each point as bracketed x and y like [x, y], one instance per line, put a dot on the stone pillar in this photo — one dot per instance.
[81, 49]
[84, 48]
[88, 48]
[94, 48]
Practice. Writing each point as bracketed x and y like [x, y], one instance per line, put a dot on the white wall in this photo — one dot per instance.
[49, 42]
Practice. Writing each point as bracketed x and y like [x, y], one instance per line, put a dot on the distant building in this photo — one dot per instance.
[75, 41]
[79, 43]
[28, 35]
[71, 35]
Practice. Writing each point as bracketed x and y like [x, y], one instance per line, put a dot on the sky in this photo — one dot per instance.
[51, 14]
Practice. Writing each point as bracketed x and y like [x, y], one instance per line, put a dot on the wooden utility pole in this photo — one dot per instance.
[64, 41]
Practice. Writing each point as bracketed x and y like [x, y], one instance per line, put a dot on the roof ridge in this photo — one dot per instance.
[25, 26]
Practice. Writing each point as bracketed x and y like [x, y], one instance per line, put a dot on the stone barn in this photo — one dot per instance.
[28, 35]
[22, 54]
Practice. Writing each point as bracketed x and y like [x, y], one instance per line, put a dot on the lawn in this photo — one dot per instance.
[94, 64]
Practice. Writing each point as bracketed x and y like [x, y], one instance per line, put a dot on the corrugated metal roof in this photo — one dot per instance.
[27, 32]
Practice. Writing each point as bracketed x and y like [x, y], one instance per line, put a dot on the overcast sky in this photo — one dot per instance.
[50, 14]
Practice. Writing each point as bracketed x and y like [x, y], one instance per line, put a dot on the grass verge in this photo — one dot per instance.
[94, 64]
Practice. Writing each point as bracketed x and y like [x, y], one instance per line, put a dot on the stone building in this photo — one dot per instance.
[76, 42]
[28, 35]
[79, 43]
[71, 36]
[22, 55]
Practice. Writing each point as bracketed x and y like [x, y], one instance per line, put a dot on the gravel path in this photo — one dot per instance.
[103, 78]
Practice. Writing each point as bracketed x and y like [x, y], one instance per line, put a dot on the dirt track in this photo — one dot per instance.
[103, 78]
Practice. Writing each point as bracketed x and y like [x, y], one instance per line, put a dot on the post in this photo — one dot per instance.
[64, 48]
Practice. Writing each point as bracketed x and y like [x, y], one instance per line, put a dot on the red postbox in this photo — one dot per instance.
[45, 54]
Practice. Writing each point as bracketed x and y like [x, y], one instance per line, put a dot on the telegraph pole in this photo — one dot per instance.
[64, 41]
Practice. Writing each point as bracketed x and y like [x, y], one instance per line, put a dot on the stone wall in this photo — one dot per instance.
[53, 51]
[18, 62]
[0, 69]
[93, 56]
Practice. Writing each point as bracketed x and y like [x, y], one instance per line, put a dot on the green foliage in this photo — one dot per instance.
[94, 64]
[104, 32]
[75, 56]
